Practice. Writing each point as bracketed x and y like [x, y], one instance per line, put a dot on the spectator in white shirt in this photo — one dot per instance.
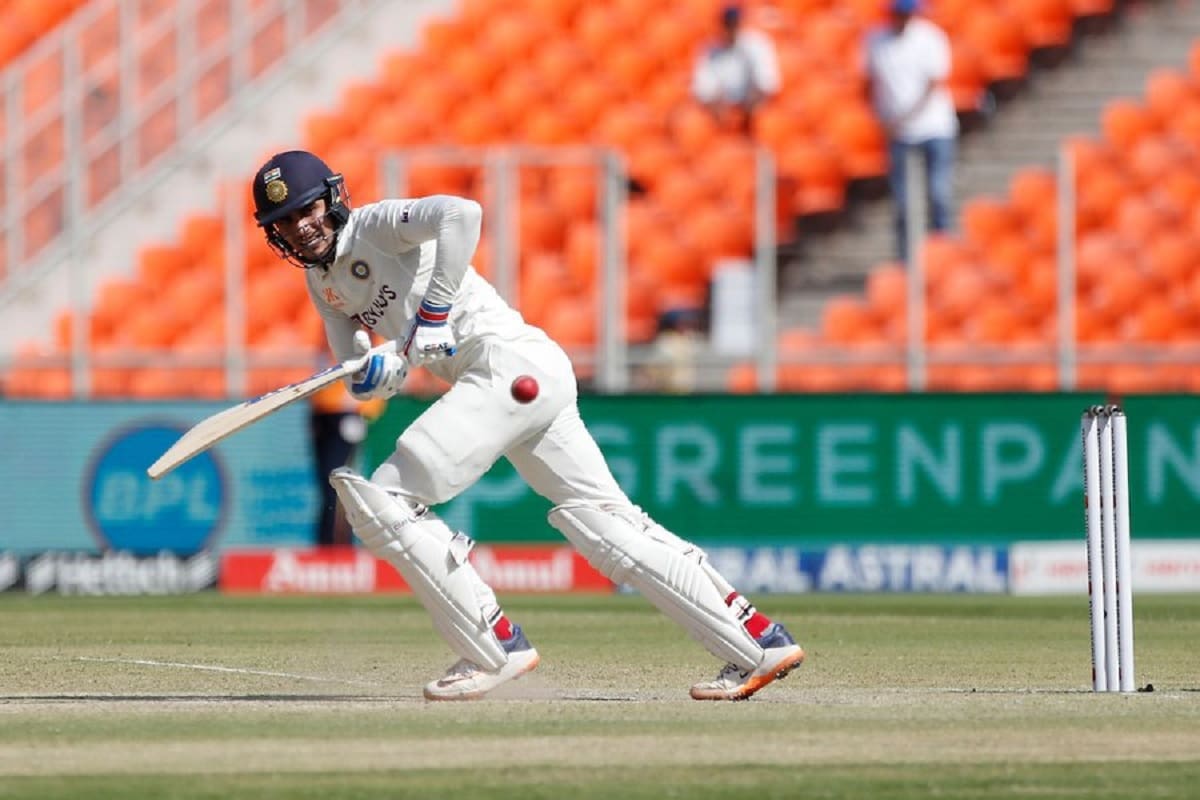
[908, 63]
[737, 71]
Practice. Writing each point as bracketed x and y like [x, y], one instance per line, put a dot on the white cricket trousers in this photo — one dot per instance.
[464, 432]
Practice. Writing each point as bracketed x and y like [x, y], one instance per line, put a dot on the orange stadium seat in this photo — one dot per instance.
[968, 81]
[32, 376]
[818, 179]
[719, 232]
[573, 190]
[996, 321]
[558, 13]
[1138, 219]
[859, 136]
[1033, 196]
[986, 220]
[998, 38]
[1032, 192]
[1046, 23]
[1100, 191]
[582, 253]
[43, 83]
[108, 380]
[541, 226]
[1093, 8]
[571, 321]
[1039, 286]
[159, 265]
[887, 291]
[828, 38]
[1125, 123]
[630, 69]
[847, 320]
[641, 308]
[31, 19]
[694, 129]
[1007, 259]
[1167, 92]
[1153, 159]
[587, 100]
[563, 72]
[1171, 258]
[543, 276]
[951, 15]
[672, 262]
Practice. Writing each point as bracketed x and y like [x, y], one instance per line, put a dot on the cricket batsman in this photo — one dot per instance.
[400, 268]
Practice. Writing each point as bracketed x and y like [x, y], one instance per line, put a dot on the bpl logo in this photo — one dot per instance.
[180, 512]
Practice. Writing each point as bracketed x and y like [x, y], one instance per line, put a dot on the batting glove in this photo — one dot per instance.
[430, 338]
[383, 374]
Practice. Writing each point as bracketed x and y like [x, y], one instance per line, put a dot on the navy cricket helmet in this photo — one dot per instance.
[289, 182]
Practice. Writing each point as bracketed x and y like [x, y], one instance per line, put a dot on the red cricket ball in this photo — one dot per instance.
[524, 389]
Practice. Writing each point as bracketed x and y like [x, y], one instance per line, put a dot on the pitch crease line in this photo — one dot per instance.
[143, 662]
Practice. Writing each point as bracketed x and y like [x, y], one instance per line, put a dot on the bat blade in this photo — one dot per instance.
[211, 430]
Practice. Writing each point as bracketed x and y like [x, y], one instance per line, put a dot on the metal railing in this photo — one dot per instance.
[112, 94]
[1064, 350]
[609, 365]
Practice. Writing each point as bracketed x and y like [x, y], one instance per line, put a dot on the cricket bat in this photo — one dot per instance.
[208, 432]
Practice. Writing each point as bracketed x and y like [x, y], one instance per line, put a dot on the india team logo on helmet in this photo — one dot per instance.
[277, 190]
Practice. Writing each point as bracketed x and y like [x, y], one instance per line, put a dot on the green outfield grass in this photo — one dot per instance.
[901, 697]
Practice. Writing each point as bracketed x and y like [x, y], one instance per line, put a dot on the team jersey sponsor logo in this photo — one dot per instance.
[371, 316]
[404, 212]
[332, 298]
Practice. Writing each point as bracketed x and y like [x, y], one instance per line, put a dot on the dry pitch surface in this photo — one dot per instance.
[939, 696]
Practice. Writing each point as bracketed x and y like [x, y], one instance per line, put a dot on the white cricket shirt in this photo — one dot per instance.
[901, 66]
[393, 254]
[729, 73]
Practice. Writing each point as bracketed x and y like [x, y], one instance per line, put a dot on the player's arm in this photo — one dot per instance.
[382, 375]
[454, 224]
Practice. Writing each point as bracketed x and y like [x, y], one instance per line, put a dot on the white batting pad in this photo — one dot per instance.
[668, 572]
[432, 559]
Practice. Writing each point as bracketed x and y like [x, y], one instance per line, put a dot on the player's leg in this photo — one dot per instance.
[433, 561]
[565, 465]
[460, 436]
[444, 451]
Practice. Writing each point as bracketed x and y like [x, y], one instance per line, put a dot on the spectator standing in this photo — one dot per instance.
[908, 63]
[736, 72]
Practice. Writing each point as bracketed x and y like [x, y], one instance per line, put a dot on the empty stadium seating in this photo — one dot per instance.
[992, 289]
[557, 72]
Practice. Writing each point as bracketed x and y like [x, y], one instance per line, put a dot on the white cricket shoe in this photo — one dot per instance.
[781, 655]
[467, 680]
